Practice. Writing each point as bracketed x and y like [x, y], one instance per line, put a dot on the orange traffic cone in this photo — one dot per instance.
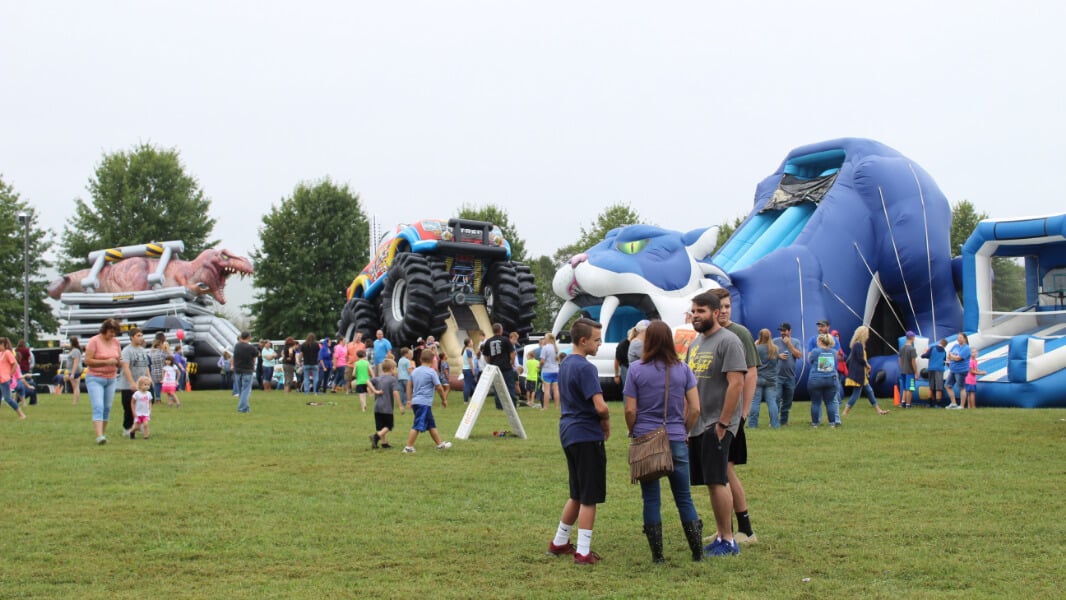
[895, 395]
[188, 385]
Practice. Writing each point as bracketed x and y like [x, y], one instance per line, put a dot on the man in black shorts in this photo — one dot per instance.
[716, 358]
[738, 450]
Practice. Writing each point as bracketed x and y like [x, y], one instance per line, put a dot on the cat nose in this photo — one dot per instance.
[577, 259]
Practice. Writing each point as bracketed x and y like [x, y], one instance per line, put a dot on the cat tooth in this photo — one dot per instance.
[568, 310]
[610, 304]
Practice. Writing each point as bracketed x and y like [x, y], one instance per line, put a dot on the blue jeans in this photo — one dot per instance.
[823, 391]
[679, 485]
[469, 383]
[5, 392]
[101, 394]
[768, 392]
[786, 391]
[865, 389]
[310, 378]
[244, 384]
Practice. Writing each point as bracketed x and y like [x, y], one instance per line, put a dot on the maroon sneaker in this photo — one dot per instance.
[586, 559]
[563, 550]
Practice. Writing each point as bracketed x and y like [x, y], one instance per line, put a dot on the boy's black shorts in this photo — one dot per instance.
[587, 464]
[708, 458]
[382, 420]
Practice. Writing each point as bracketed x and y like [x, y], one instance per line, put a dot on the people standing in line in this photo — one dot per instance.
[424, 383]
[532, 377]
[156, 355]
[403, 374]
[361, 377]
[738, 448]
[142, 407]
[183, 366]
[244, 355]
[549, 370]
[102, 356]
[382, 346]
[74, 374]
[649, 394]
[469, 369]
[225, 369]
[170, 381]
[859, 371]
[269, 357]
[288, 362]
[135, 365]
[386, 390]
[908, 369]
[822, 383]
[584, 427]
[309, 353]
[24, 356]
[971, 380]
[354, 347]
[445, 372]
[325, 366]
[938, 357]
[621, 359]
[500, 353]
[8, 367]
[959, 367]
[716, 358]
[340, 364]
[766, 382]
[789, 348]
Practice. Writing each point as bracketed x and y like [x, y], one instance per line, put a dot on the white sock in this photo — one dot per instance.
[562, 535]
[584, 541]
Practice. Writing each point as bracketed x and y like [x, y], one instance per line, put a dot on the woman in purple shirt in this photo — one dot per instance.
[645, 391]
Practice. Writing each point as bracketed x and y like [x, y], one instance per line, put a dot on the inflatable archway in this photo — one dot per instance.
[848, 230]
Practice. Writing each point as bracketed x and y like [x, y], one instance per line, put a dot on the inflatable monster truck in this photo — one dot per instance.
[427, 274]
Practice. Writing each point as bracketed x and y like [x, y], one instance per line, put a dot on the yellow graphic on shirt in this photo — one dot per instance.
[700, 362]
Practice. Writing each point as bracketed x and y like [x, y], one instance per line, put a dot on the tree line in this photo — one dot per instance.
[305, 256]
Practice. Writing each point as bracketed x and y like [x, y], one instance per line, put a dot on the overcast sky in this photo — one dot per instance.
[552, 110]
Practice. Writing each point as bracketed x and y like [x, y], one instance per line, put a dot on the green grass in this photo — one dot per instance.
[289, 501]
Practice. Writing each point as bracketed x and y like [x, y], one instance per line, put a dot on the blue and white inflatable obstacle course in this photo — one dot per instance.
[1023, 352]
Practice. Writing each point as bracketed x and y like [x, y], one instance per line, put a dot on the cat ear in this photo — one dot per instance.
[704, 243]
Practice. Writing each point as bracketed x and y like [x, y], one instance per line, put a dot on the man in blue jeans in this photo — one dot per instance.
[244, 355]
[789, 350]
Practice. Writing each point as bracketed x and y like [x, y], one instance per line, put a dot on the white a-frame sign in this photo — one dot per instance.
[490, 377]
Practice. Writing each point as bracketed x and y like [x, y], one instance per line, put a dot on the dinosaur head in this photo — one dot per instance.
[209, 272]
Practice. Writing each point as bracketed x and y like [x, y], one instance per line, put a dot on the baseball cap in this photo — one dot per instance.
[910, 334]
[786, 326]
[641, 325]
[834, 333]
[824, 322]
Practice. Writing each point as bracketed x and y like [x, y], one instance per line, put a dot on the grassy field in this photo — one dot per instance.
[289, 501]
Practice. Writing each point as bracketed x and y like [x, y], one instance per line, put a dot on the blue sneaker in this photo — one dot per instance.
[720, 547]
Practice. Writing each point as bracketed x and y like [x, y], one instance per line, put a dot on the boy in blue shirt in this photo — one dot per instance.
[424, 384]
[584, 426]
[938, 356]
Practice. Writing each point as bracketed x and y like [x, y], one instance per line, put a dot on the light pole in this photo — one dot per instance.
[24, 220]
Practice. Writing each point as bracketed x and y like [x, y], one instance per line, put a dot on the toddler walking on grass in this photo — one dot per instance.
[142, 405]
[424, 384]
[386, 393]
[170, 382]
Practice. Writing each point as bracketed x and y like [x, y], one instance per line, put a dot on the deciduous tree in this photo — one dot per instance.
[1008, 287]
[15, 236]
[498, 216]
[311, 246]
[138, 196]
[613, 216]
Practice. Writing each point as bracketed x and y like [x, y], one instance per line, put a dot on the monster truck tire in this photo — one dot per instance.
[344, 324]
[511, 297]
[365, 319]
[413, 303]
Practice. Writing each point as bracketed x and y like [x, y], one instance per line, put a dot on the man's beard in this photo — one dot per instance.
[702, 326]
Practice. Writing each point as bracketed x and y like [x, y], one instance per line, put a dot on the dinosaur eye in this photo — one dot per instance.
[632, 247]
